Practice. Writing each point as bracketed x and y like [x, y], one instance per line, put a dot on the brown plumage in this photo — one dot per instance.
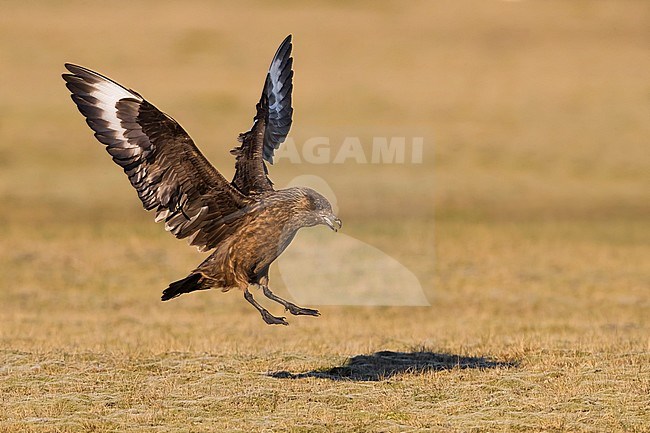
[246, 221]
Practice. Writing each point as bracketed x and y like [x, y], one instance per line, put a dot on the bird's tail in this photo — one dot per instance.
[188, 284]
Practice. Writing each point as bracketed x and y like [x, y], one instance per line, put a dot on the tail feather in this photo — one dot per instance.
[188, 284]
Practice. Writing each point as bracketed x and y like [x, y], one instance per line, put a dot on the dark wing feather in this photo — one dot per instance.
[277, 92]
[167, 170]
[271, 125]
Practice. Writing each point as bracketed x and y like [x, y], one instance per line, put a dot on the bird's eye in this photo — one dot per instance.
[311, 202]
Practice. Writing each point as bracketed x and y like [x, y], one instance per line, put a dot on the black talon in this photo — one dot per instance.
[300, 311]
[273, 320]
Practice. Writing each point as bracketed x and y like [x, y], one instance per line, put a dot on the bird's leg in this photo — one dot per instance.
[268, 317]
[292, 308]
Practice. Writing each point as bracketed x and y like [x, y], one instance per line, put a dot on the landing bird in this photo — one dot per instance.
[246, 222]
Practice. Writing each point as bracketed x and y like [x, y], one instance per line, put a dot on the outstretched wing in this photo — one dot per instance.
[167, 170]
[270, 128]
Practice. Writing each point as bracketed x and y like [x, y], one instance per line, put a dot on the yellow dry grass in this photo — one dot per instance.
[536, 123]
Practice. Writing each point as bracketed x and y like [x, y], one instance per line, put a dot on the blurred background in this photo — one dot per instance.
[527, 222]
[529, 109]
[535, 119]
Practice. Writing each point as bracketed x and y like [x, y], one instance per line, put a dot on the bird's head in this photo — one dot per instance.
[319, 210]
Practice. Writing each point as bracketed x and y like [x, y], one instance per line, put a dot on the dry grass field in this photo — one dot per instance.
[527, 222]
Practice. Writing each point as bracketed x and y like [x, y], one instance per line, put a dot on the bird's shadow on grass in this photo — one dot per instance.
[386, 364]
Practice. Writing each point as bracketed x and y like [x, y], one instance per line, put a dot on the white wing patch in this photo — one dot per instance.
[109, 94]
